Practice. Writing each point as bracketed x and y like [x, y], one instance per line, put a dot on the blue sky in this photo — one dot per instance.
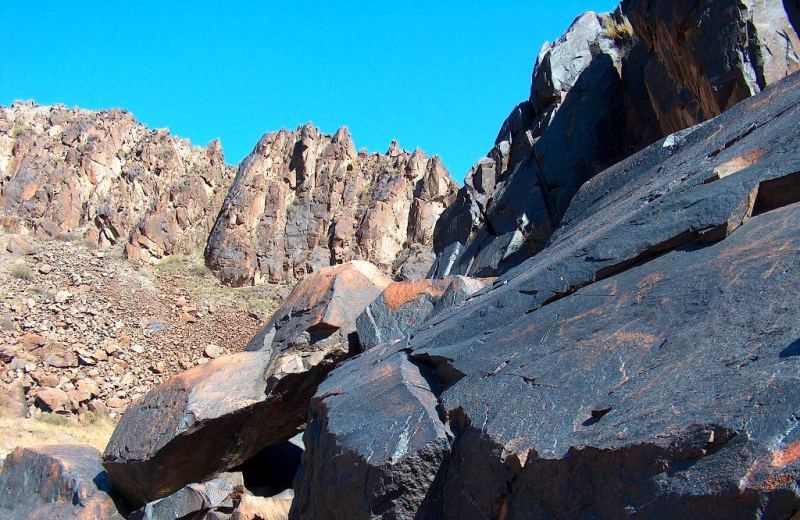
[441, 77]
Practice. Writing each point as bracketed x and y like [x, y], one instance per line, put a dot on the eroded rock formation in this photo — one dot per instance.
[611, 85]
[304, 200]
[644, 363]
[102, 174]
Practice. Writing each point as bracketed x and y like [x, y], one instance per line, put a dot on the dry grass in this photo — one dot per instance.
[22, 271]
[618, 27]
[192, 274]
[92, 429]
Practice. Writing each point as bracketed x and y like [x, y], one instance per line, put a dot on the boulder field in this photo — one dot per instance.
[628, 344]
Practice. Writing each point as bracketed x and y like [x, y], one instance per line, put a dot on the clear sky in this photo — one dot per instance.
[438, 75]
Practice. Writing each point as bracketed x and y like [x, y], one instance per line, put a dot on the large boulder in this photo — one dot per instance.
[104, 175]
[644, 363]
[611, 85]
[55, 482]
[403, 307]
[387, 466]
[304, 200]
[216, 416]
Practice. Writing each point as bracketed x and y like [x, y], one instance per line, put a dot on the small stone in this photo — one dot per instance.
[87, 386]
[54, 400]
[63, 359]
[97, 406]
[116, 402]
[212, 351]
[45, 268]
[19, 246]
[79, 397]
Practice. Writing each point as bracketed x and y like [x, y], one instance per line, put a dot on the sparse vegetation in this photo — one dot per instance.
[618, 27]
[47, 428]
[20, 130]
[22, 271]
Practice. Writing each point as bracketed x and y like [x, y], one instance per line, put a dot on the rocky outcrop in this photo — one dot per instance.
[708, 56]
[304, 200]
[47, 482]
[403, 307]
[610, 86]
[216, 416]
[102, 174]
[644, 363]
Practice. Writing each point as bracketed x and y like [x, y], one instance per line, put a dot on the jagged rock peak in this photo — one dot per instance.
[303, 200]
[611, 85]
[101, 174]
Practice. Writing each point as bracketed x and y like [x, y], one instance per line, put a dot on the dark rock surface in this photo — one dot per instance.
[196, 501]
[191, 428]
[642, 364]
[55, 482]
[604, 90]
[403, 307]
[216, 416]
[386, 466]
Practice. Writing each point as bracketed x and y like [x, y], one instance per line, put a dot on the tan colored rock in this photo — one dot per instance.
[212, 351]
[304, 200]
[54, 400]
[105, 175]
[12, 400]
[19, 246]
[262, 508]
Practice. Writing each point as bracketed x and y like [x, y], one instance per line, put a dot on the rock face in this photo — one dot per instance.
[605, 89]
[644, 363]
[55, 482]
[64, 171]
[403, 307]
[687, 79]
[304, 200]
[216, 416]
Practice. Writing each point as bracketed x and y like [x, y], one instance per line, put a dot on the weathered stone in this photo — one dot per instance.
[216, 416]
[55, 482]
[212, 351]
[189, 429]
[12, 400]
[304, 200]
[709, 56]
[262, 508]
[642, 364]
[403, 307]
[387, 467]
[105, 175]
[195, 500]
[54, 400]
[19, 246]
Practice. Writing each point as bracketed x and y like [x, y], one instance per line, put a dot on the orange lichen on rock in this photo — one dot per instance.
[736, 164]
[398, 294]
[786, 456]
